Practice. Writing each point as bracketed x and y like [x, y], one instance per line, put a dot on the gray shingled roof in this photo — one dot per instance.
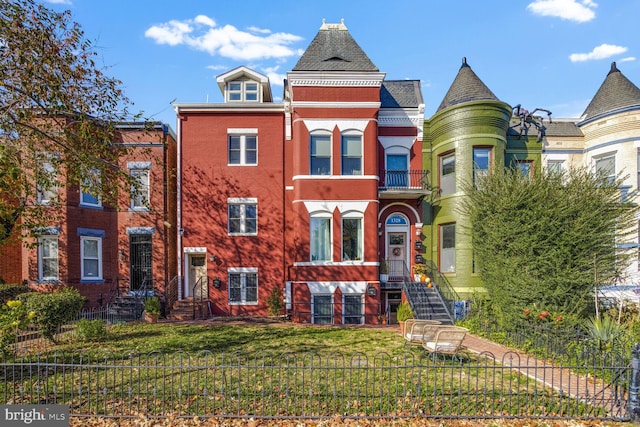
[400, 94]
[466, 87]
[333, 49]
[564, 128]
[616, 92]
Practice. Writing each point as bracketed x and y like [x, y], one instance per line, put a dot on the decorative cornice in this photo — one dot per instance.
[340, 79]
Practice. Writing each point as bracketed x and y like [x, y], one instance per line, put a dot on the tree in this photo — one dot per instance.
[58, 117]
[535, 239]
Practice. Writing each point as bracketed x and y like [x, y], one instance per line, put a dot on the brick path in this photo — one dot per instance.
[561, 379]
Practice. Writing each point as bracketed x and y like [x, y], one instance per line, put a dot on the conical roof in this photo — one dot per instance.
[615, 93]
[466, 87]
[333, 49]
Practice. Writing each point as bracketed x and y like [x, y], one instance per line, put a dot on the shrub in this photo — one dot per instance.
[52, 310]
[13, 317]
[404, 312]
[152, 305]
[92, 330]
[10, 292]
[274, 301]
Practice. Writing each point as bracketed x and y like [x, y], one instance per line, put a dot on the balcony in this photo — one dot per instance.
[404, 184]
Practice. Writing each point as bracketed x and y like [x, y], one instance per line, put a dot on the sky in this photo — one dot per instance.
[550, 54]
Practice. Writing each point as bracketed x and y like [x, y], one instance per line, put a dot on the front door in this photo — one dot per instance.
[197, 273]
[140, 251]
[396, 252]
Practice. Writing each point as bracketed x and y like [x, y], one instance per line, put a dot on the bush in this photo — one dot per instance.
[274, 301]
[52, 310]
[404, 312]
[13, 318]
[92, 330]
[10, 292]
[152, 305]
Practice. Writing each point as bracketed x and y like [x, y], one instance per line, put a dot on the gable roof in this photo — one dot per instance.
[250, 74]
[615, 93]
[333, 49]
[400, 94]
[466, 87]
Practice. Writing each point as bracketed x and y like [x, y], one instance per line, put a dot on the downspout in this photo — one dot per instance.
[179, 200]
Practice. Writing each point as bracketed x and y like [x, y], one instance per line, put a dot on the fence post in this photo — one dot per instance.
[633, 406]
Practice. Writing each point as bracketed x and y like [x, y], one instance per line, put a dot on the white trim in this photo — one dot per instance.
[41, 258]
[194, 250]
[242, 131]
[323, 288]
[399, 141]
[315, 125]
[242, 200]
[332, 205]
[83, 239]
[342, 177]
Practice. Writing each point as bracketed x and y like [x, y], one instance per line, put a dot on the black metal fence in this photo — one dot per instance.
[261, 385]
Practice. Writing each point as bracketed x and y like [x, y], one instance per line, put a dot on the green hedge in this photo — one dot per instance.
[10, 292]
[54, 309]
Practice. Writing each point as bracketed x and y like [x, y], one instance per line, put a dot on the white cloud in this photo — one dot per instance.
[571, 10]
[59, 1]
[218, 67]
[203, 34]
[599, 52]
[275, 78]
[627, 59]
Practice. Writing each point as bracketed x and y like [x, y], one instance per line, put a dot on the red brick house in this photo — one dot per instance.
[101, 249]
[306, 196]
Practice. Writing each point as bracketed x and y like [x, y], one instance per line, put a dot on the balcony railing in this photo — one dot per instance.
[405, 180]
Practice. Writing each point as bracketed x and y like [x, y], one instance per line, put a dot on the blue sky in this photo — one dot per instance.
[551, 54]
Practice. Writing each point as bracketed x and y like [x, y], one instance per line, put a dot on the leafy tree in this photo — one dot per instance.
[58, 116]
[540, 241]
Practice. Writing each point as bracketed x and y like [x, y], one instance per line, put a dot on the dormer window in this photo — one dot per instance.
[242, 91]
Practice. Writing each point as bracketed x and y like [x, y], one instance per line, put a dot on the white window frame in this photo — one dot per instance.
[242, 135]
[98, 185]
[362, 309]
[353, 216]
[46, 194]
[447, 181]
[312, 137]
[313, 308]
[555, 166]
[84, 257]
[140, 198]
[243, 273]
[324, 216]
[447, 254]
[41, 258]
[606, 157]
[243, 92]
[243, 220]
[344, 144]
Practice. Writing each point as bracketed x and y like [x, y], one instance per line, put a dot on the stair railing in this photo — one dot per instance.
[171, 293]
[199, 291]
[446, 292]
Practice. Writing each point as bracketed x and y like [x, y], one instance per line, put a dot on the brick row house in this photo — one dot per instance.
[306, 195]
[105, 250]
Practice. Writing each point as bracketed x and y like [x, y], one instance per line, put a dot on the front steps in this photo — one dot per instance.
[183, 310]
[426, 303]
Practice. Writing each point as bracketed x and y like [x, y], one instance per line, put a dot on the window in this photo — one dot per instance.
[243, 216]
[555, 167]
[90, 189]
[322, 307]
[91, 258]
[448, 248]
[47, 190]
[351, 155]
[397, 171]
[605, 167]
[353, 309]
[448, 174]
[481, 163]
[242, 91]
[320, 238]
[243, 286]
[351, 239]
[320, 155]
[48, 258]
[525, 167]
[140, 192]
[243, 149]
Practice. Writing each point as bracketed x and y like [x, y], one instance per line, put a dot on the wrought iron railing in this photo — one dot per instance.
[200, 292]
[447, 293]
[404, 180]
[171, 293]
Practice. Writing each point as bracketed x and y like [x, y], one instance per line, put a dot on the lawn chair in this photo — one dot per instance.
[414, 329]
[447, 340]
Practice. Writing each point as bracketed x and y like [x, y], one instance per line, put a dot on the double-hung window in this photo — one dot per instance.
[525, 167]
[352, 155]
[91, 188]
[47, 188]
[605, 167]
[47, 258]
[448, 174]
[243, 286]
[242, 91]
[140, 190]
[481, 163]
[242, 147]
[320, 155]
[556, 167]
[322, 306]
[320, 226]
[353, 309]
[448, 248]
[352, 237]
[243, 216]
[91, 257]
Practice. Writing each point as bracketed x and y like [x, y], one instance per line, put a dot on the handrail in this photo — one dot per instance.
[404, 180]
[171, 293]
[202, 294]
[445, 290]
